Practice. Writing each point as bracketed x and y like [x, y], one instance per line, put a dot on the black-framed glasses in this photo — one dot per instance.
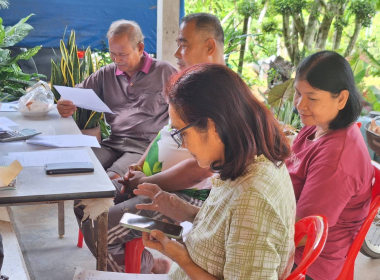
[176, 134]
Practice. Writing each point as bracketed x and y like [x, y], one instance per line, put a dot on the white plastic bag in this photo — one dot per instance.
[39, 98]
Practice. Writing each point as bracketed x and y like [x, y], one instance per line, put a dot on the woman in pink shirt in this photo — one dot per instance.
[330, 166]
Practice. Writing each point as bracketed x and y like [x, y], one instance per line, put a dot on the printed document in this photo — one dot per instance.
[8, 107]
[84, 98]
[40, 158]
[86, 274]
[64, 141]
[4, 122]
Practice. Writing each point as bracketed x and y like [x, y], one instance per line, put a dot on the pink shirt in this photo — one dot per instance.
[332, 176]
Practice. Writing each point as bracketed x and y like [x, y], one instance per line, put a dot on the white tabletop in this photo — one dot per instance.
[33, 185]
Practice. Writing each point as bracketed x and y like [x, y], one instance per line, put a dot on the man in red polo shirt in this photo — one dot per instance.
[132, 88]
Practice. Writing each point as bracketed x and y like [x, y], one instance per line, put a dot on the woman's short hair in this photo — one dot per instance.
[127, 27]
[329, 71]
[245, 126]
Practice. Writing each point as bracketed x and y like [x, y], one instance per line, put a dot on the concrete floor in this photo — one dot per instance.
[48, 257]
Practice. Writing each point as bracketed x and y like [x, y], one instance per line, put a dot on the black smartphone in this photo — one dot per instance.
[68, 167]
[147, 225]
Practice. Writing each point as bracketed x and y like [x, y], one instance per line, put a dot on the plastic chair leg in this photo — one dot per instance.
[133, 252]
[80, 239]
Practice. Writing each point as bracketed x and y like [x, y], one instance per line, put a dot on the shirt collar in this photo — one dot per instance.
[145, 67]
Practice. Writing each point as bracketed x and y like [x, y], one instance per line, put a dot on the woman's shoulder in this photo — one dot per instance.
[266, 179]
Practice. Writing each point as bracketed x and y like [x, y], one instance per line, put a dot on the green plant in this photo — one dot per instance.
[12, 80]
[70, 71]
[280, 99]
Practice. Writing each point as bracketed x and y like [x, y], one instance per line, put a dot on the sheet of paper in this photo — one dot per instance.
[84, 98]
[40, 158]
[8, 173]
[4, 121]
[8, 107]
[86, 274]
[64, 141]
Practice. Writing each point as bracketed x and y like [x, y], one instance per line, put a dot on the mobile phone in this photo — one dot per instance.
[68, 167]
[147, 225]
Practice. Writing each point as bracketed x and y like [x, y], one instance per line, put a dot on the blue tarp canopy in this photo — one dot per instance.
[89, 19]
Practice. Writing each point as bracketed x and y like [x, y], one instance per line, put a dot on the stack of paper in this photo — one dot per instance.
[8, 107]
[65, 141]
[40, 158]
[86, 274]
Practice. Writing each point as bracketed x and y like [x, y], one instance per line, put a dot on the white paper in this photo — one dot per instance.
[84, 98]
[8, 107]
[86, 274]
[4, 128]
[64, 141]
[40, 158]
[4, 121]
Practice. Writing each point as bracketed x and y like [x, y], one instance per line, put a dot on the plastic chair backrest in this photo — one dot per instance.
[132, 257]
[315, 229]
[347, 272]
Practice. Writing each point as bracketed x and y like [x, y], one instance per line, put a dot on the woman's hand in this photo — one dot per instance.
[170, 248]
[166, 203]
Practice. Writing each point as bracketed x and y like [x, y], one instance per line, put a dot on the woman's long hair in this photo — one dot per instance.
[245, 126]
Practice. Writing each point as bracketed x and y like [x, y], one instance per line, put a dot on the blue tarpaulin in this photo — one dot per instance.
[89, 19]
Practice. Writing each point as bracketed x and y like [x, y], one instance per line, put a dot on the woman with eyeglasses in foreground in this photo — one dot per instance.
[245, 228]
[330, 166]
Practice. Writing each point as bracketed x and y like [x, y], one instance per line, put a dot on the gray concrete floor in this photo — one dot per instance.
[49, 257]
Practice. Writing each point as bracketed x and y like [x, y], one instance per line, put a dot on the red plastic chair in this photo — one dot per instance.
[132, 254]
[315, 228]
[347, 272]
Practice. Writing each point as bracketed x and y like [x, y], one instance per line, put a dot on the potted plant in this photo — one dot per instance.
[280, 98]
[12, 80]
[70, 71]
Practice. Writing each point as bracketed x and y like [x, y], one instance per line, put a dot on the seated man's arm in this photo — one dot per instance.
[181, 176]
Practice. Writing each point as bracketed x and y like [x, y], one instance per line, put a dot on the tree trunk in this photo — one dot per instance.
[351, 44]
[339, 29]
[311, 28]
[296, 52]
[286, 33]
[325, 25]
[299, 25]
[242, 46]
[262, 15]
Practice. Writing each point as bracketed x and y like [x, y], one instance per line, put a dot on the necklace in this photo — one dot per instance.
[316, 138]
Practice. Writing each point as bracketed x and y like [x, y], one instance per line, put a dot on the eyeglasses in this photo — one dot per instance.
[176, 134]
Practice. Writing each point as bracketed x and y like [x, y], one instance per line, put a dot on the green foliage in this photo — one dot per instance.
[12, 80]
[364, 11]
[288, 6]
[70, 72]
[372, 96]
[269, 26]
[248, 8]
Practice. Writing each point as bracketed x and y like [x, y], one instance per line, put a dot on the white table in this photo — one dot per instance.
[34, 186]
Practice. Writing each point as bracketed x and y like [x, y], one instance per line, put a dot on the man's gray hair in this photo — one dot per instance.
[128, 27]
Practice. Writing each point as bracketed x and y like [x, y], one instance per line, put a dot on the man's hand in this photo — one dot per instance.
[128, 183]
[131, 180]
[66, 108]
